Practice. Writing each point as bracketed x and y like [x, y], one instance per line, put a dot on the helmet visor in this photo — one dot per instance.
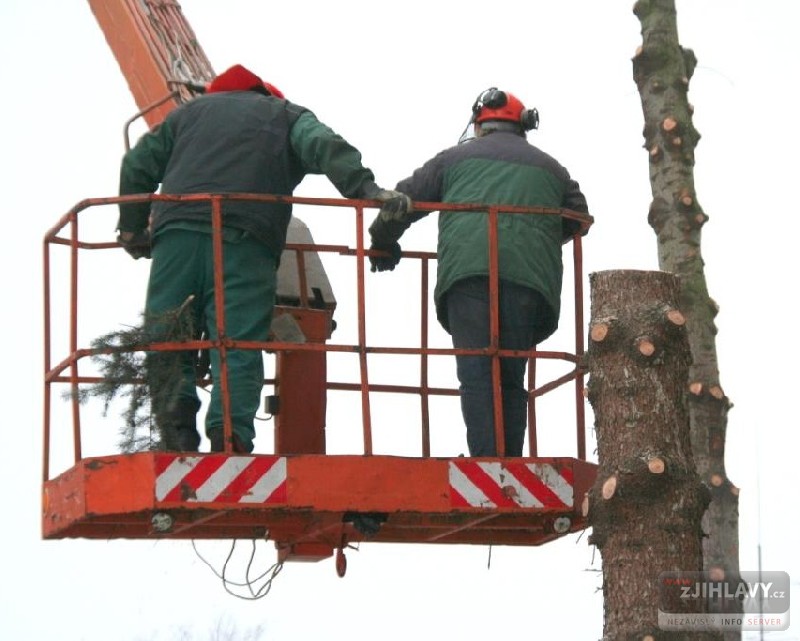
[469, 131]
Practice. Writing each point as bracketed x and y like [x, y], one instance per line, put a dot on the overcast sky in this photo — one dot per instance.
[397, 80]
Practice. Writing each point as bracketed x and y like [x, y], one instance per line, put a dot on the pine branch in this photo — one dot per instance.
[147, 381]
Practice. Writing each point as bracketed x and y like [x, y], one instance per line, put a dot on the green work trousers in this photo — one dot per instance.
[183, 266]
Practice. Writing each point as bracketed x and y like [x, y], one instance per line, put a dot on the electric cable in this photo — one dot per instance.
[267, 575]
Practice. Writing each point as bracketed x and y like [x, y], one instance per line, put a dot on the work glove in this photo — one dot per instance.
[396, 206]
[387, 262]
[136, 243]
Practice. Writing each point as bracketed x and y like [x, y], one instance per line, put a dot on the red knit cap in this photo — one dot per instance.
[239, 78]
[273, 90]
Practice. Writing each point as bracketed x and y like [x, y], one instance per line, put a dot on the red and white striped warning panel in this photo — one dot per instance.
[221, 479]
[492, 484]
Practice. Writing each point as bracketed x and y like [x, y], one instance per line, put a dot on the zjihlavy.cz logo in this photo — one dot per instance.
[698, 601]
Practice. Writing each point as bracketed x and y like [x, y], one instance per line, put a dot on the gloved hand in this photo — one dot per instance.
[136, 243]
[396, 206]
[385, 263]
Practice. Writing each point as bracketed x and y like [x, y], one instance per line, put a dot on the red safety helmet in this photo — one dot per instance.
[494, 104]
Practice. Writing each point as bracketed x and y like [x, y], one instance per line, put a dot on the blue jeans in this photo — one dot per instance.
[468, 315]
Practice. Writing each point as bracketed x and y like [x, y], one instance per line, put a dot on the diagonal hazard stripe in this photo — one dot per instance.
[257, 482]
[501, 486]
[485, 478]
[198, 470]
[456, 499]
[542, 483]
[168, 482]
[213, 488]
[222, 479]
[561, 486]
[509, 481]
[466, 490]
[163, 462]
[568, 474]
[492, 484]
[270, 483]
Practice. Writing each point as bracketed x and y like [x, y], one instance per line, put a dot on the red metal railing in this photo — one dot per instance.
[66, 370]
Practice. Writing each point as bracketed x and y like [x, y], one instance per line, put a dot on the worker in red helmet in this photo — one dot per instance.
[241, 136]
[493, 164]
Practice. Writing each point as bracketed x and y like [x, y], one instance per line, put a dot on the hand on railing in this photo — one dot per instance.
[388, 261]
[136, 243]
[395, 205]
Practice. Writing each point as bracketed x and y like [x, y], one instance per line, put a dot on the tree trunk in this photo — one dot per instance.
[662, 70]
[647, 503]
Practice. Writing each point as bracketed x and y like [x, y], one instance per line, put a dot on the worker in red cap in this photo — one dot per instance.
[242, 136]
[493, 164]
[239, 78]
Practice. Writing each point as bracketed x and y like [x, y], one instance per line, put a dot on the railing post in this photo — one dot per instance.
[47, 348]
[366, 418]
[423, 357]
[494, 332]
[580, 411]
[73, 337]
[219, 304]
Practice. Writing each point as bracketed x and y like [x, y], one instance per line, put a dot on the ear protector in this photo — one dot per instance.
[496, 100]
[492, 98]
[529, 119]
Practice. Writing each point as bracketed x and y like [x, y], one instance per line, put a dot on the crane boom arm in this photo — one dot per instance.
[157, 51]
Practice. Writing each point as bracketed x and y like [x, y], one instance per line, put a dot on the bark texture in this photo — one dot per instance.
[662, 70]
[647, 503]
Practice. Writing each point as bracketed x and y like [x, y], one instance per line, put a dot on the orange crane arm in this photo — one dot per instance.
[157, 51]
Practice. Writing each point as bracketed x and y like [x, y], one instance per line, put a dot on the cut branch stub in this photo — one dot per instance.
[658, 213]
[655, 152]
[669, 124]
[716, 392]
[599, 331]
[675, 317]
[645, 346]
[656, 465]
[609, 487]
[641, 7]
[696, 388]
